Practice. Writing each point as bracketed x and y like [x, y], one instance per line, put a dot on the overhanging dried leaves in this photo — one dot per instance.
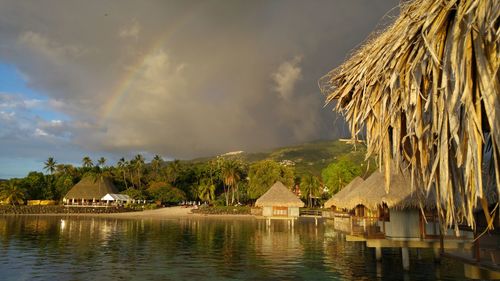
[427, 90]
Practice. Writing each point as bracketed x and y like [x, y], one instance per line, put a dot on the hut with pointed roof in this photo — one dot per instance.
[401, 217]
[402, 212]
[395, 212]
[336, 208]
[279, 202]
[337, 201]
[89, 191]
[373, 193]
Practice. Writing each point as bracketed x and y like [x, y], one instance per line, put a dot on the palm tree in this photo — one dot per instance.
[206, 191]
[122, 167]
[11, 193]
[87, 162]
[156, 164]
[310, 187]
[99, 174]
[231, 174]
[101, 161]
[66, 169]
[50, 165]
[173, 170]
[130, 170]
[138, 165]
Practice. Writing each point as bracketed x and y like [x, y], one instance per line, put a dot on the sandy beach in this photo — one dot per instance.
[161, 213]
[165, 213]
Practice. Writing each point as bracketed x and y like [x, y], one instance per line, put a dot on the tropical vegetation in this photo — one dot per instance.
[222, 180]
[12, 193]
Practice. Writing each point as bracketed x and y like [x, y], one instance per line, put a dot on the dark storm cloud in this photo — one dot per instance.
[191, 78]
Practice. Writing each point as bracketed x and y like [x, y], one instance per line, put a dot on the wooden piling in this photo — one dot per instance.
[378, 253]
[405, 253]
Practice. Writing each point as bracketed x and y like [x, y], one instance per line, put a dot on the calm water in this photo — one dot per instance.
[71, 248]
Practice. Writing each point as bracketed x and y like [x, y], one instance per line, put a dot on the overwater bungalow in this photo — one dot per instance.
[375, 213]
[279, 203]
[426, 90]
[398, 218]
[337, 202]
[336, 206]
[89, 191]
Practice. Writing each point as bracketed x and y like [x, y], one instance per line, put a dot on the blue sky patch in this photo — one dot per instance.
[12, 82]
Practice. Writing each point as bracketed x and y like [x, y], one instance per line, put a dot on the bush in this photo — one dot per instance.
[140, 207]
[47, 209]
[165, 193]
[220, 201]
[150, 206]
[223, 210]
[135, 194]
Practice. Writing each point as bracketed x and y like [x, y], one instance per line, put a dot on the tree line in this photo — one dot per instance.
[220, 181]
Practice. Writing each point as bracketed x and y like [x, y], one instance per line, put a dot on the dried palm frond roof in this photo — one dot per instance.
[371, 193]
[337, 200]
[279, 195]
[427, 91]
[89, 188]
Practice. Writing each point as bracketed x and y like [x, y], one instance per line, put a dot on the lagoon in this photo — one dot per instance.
[90, 248]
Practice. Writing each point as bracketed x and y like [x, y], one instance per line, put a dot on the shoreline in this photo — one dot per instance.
[176, 212]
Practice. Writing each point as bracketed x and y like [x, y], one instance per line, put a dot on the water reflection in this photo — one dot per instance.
[85, 248]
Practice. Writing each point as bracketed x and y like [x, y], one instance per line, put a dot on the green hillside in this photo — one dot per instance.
[309, 157]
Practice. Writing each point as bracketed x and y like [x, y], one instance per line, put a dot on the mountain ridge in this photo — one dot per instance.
[309, 157]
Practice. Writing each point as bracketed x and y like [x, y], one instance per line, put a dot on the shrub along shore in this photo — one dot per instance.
[29, 210]
[223, 210]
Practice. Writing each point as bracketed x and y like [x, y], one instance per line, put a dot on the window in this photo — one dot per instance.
[280, 211]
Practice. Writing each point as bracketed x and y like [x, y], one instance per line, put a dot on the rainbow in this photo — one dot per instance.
[121, 89]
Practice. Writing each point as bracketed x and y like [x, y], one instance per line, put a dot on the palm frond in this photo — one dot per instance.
[427, 91]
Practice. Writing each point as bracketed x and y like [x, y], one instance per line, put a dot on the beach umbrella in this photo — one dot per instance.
[426, 90]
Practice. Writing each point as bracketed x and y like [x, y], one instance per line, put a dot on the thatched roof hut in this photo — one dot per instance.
[279, 195]
[371, 193]
[427, 90]
[90, 188]
[337, 200]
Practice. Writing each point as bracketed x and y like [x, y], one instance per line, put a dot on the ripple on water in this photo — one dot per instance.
[51, 248]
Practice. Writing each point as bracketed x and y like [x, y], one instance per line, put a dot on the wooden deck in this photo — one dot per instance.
[275, 218]
[311, 213]
[476, 269]
[421, 243]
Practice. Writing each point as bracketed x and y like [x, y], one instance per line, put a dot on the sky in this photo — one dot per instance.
[181, 79]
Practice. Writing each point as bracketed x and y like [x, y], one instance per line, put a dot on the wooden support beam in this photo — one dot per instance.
[405, 254]
[437, 255]
[476, 272]
[378, 253]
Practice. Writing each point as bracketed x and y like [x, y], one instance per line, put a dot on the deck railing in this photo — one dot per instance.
[342, 222]
[314, 213]
[366, 226]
